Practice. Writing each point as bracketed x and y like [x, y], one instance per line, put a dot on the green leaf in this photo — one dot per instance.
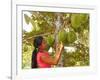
[27, 18]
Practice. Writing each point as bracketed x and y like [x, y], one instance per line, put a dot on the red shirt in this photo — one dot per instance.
[40, 63]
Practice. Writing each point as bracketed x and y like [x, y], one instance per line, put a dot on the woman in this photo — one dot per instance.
[40, 57]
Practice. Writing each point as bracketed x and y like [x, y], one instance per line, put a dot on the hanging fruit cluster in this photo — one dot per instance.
[67, 37]
[50, 40]
[71, 37]
[79, 21]
[62, 36]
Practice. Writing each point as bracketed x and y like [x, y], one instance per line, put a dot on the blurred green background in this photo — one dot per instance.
[70, 28]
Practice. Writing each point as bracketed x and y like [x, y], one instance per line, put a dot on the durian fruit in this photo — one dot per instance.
[78, 19]
[62, 36]
[50, 40]
[71, 37]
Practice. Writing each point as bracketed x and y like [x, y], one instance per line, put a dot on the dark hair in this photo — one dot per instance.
[37, 42]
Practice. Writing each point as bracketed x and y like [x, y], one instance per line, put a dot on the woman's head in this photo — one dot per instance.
[39, 42]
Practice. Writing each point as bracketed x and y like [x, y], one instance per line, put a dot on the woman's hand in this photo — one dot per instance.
[59, 47]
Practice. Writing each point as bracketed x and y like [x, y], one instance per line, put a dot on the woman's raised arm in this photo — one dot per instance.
[53, 61]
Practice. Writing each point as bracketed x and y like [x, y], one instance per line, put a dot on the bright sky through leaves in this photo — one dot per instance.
[27, 27]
